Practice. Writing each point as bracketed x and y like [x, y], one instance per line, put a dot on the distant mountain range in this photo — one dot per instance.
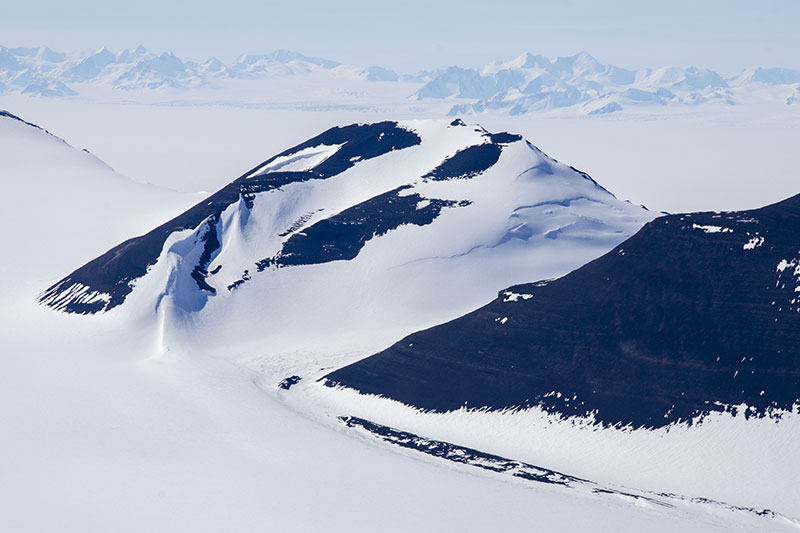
[533, 82]
[44, 72]
[525, 84]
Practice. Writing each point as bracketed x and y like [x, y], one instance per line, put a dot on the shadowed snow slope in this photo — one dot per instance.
[364, 228]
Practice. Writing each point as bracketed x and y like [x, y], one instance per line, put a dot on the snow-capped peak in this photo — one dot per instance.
[365, 225]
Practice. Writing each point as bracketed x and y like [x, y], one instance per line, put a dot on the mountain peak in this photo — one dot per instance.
[356, 216]
[529, 60]
[580, 64]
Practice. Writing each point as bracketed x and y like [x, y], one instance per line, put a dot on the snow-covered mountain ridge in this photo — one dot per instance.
[365, 228]
[695, 313]
[43, 72]
[534, 83]
[525, 84]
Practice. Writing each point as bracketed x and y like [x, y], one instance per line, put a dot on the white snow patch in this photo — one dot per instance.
[304, 159]
[784, 264]
[754, 243]
[712, 229]
[509, 296]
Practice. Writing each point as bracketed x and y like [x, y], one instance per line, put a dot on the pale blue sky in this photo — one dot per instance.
[727, 35]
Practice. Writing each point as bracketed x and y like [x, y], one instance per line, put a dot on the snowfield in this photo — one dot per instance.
[174, 420]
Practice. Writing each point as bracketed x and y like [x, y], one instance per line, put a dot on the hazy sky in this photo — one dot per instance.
[411, 35]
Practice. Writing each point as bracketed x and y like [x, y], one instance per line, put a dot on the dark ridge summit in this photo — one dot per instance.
[4, 113]
[473, 160]
[7, 114]
[695, 313]
[105, 282]
[467, 163]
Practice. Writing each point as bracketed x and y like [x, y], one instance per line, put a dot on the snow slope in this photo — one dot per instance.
[50, 176]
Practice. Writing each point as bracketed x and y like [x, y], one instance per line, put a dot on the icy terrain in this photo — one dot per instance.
[102, 425]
